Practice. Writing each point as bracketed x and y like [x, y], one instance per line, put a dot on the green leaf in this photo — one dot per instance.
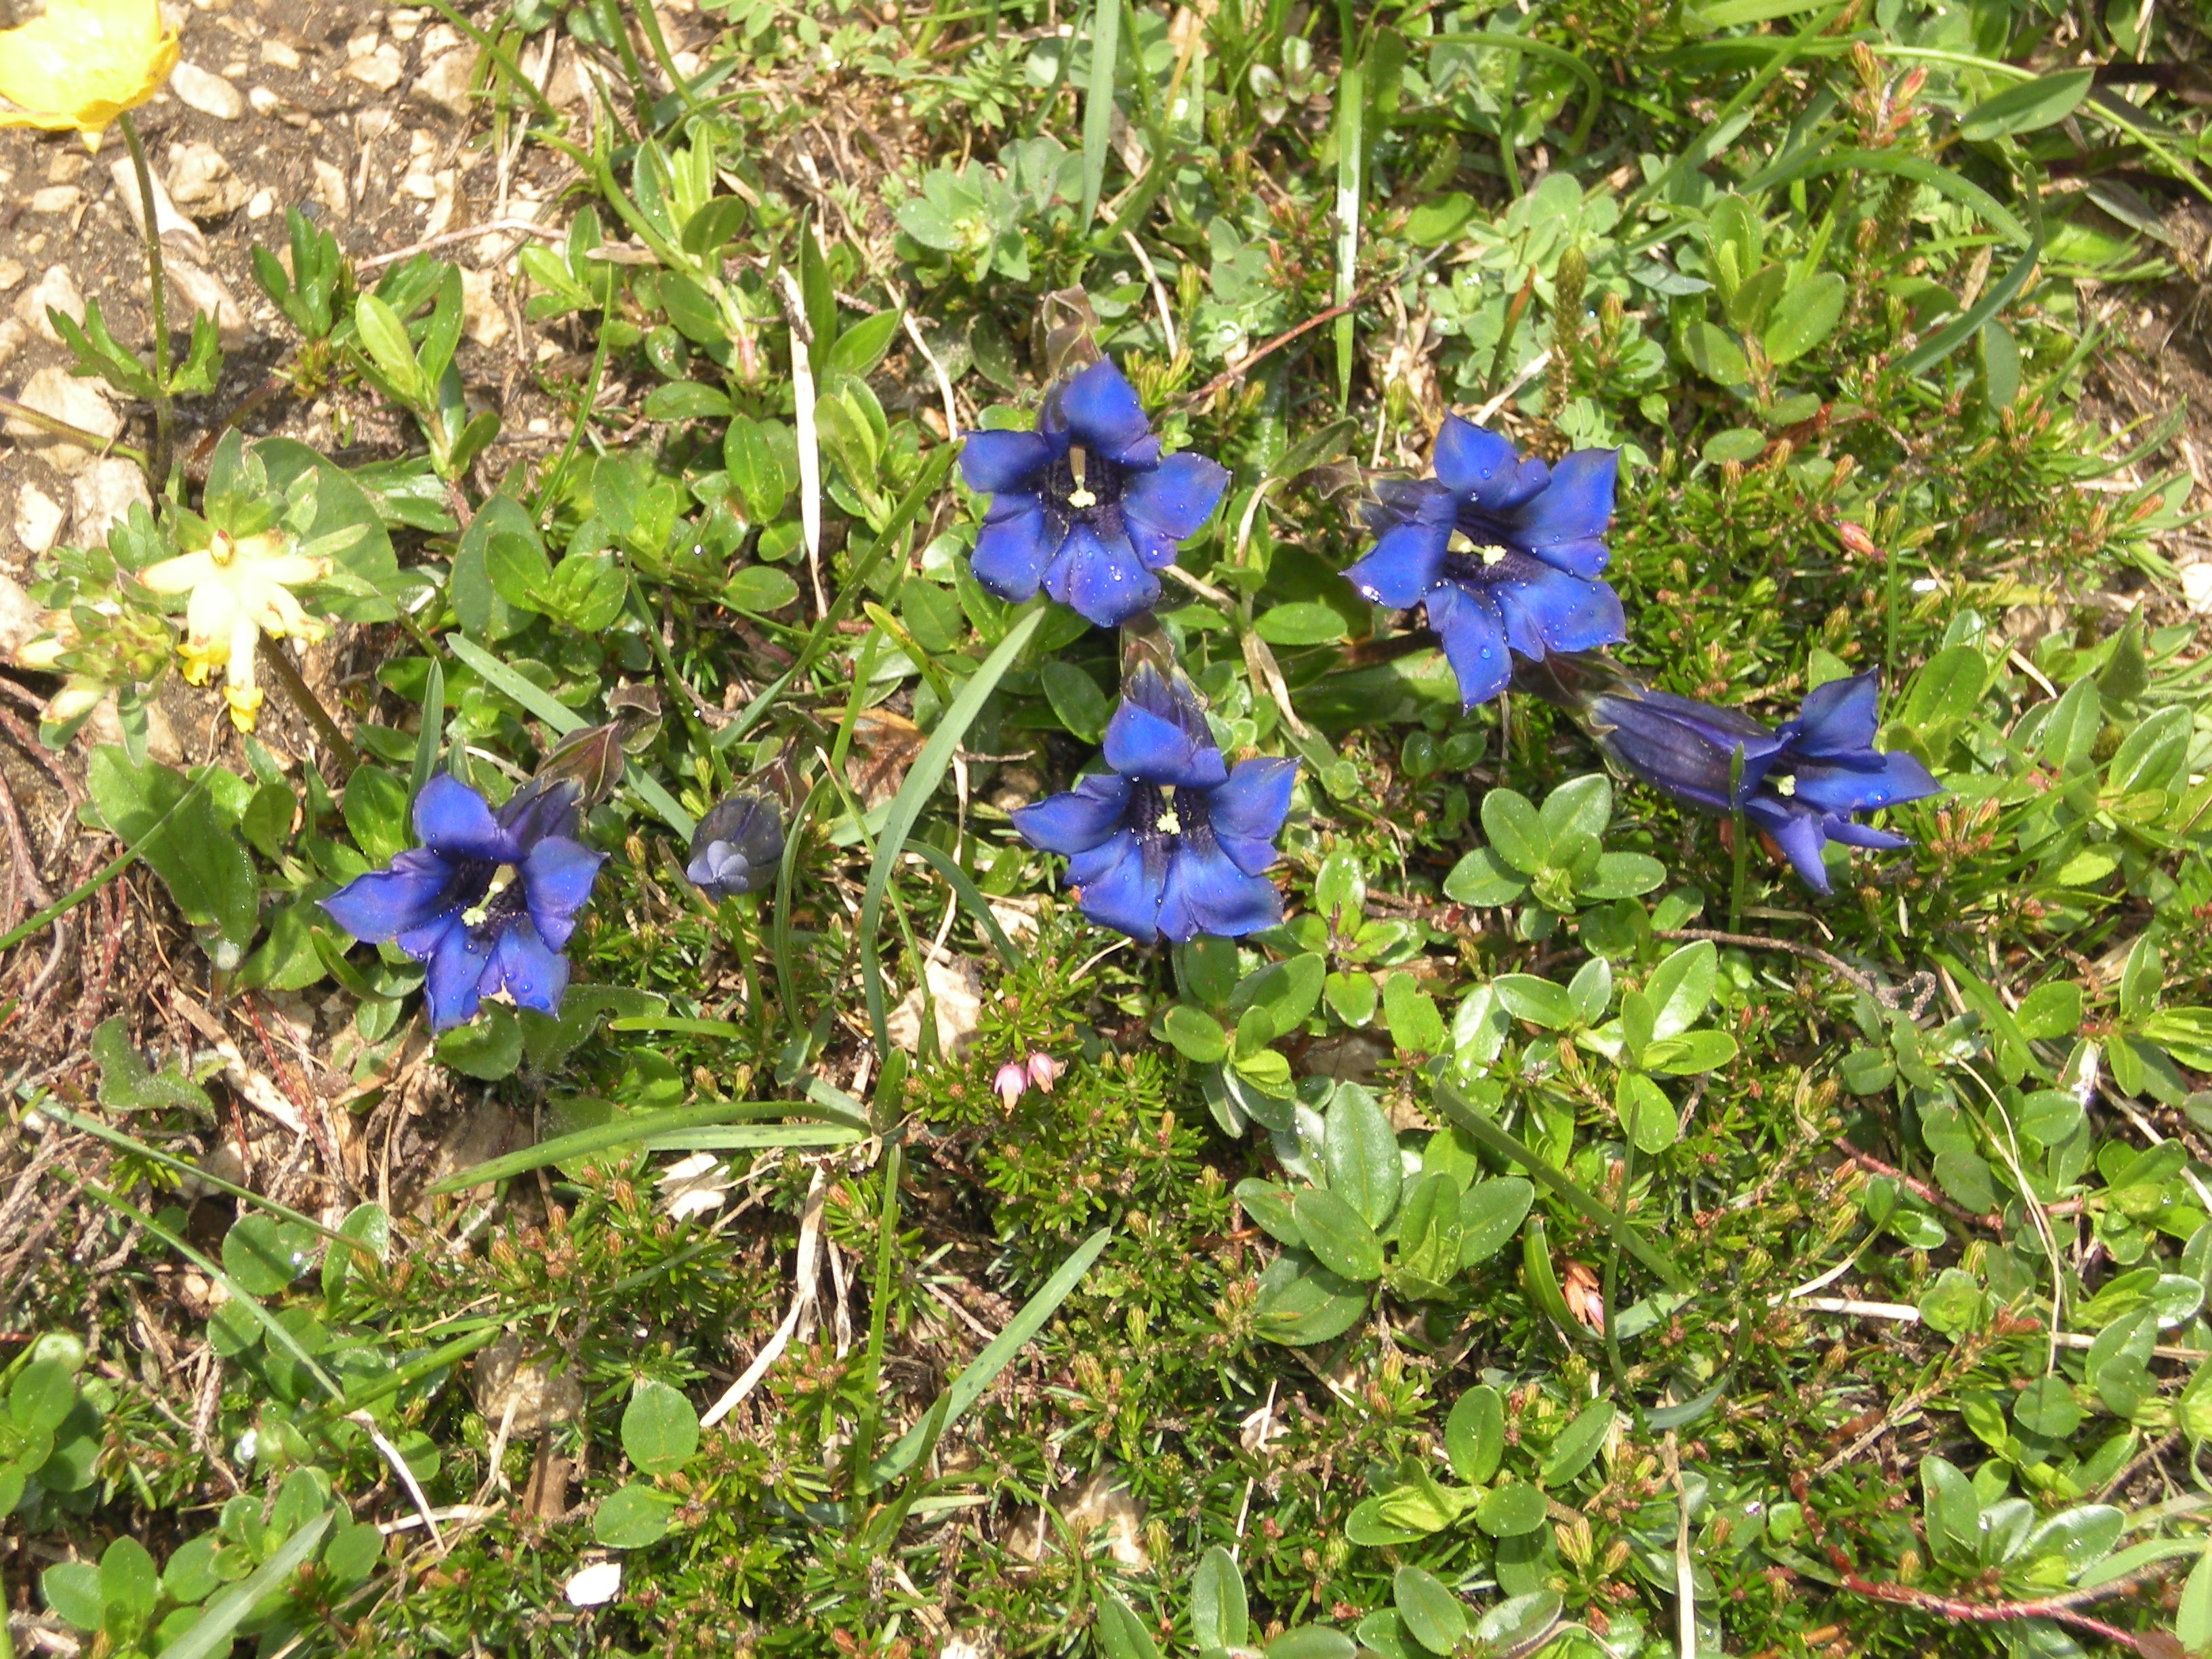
[1578, 1442]
[1437, 220]
[686, 400]
[1804, 316]
[197, 853]
[2192, 1619]
[1270, 1206]
[1338, 1234]
[389, 349]
[632, 1516]
[2027, 107]
[1515, 830]
[1621, 875]
[660, 1429]
[1360, 1151]
[1196, 1036]
[635, 1130]
[1098, 103]
[1715, 355]
[72, 1592]
[128, 1589]
[2051, 1010]
[862, 346]
[212, 1634]
[1509, 1512]
[1076, 700]
[751, 460]
[264, 1255]
[966, 1387]
[1475, 1433]
[1121, 1632]
[1416, 1027]
[759, 590]
[1539, 1001]
[1301, 1302]
[1312, 1642]
[1488, 881]
[1646, 1113]
[1432, 1613]
[1305, 622]
[1490, 1213]
[1218, 1613]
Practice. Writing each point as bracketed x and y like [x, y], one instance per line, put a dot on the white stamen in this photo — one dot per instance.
[1785, 784]
[477, 914]
[1078, 463]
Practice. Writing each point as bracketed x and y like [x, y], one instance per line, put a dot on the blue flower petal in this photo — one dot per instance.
[1177, 496]
[1206, 892]
[1474, 641]
[1546, 610]
[1467, 458]
[1012, 552]
[1798, 831]
[413, 892]
[1839, 828]
[456, 964]
[1246, 813]
[1086, 816]
[1847, 789]
[523, 966]
[540, 808]
[1159, 733]
[1564, 526]
[1403, 566]
[557, 878]
[995, 461]
[1117, 887]
[1838, 721]
[1101, 580]
[1680, 747]
[452, 820]
[1098, 409]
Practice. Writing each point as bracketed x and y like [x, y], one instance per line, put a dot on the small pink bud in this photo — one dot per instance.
[1009, 1083]
[1045, 1070]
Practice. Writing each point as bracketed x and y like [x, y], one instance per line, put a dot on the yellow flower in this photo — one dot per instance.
[82, 64]
[239, 590]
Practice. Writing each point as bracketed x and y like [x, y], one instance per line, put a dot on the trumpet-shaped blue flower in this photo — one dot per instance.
[1171, 843]
[737, 846]
[1798, 786]
[1086, 507]
[1504, 551]
[486, 903]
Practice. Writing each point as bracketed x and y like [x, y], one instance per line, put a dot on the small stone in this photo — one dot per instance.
[404, 22]
[444, 82]
[593, 1586]
[105, 726]
[380, 70]
[262, 203]
[11, 272]
[180, 237]
[206, 92]
[956, 992]
[54, 391]
[277, 55]
[265, 102]
[419, 186]
[539, 1395]
[67, 166]
[202, 183]
[14, 331]
[101, 497]
[21, 621]
[330, 187]
[201, 290]
[483, 319]
[58, 288]
[2197, 587]
[439, 37]
[56, 198]
[375, 123]
[39, 520]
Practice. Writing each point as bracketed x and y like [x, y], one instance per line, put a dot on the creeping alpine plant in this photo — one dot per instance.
[1505, 552]
[486, 903]
[1171, 843]
[1085, 506]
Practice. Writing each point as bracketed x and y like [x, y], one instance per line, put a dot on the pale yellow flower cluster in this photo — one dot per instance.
[239, 590]
[83, 63]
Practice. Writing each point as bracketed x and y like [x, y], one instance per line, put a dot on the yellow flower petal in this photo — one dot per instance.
[83, 62]
[180, 574]
[244, 702]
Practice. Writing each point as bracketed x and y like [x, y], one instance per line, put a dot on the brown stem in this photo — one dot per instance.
[1230, 376]
[1919, 1189]
[61, 428]
[1757, 942]
[274, 659]
[2062, 1608]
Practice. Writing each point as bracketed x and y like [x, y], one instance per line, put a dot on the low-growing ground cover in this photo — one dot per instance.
[1110, 831]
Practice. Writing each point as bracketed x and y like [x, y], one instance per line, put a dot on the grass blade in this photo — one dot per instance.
[212, 1632]
[431, 737]
[968, 894]
[966, 1387]
[922, 781]
[1098, 102]
[1350, 142]
[605, 1137]
[1955, 333]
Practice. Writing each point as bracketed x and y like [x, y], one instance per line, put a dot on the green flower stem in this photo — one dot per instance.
[163, 416]
[61, 428]
[1740, 850]
[308, 704]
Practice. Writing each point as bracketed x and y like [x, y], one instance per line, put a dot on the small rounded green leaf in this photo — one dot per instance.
[1338, 1234]
[630, 1518]
[659, 1430]
[1510, 1510]
[1430, 1611]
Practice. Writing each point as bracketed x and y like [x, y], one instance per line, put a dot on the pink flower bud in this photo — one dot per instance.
[1009, 1083]
[1045, 1070]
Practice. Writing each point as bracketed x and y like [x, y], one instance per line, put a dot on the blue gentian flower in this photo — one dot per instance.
[1171, 843]
[1523, 576]
[737, 847]
[1798, 786]
[1085, 506]
[486, 903]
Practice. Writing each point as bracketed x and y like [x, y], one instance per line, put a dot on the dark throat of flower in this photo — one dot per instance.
[1470, 559]
[500, 901]
[1085, 486]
